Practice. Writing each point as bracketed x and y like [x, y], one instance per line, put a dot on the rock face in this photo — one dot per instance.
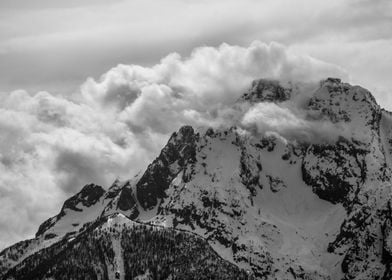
[335, 171]
[260, 207]
[263, 90]
[179, 151]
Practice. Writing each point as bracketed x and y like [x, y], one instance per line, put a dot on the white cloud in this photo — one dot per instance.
[290, 122]
[179, 89]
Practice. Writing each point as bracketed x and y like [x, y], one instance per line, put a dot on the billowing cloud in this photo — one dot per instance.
[51, 145]
[191, 90]
[54, 45]
[291, 123]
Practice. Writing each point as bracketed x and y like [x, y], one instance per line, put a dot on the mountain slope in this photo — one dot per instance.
[144, 250]
[277, 208]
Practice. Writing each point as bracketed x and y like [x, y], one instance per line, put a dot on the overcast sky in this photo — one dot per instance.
[70, 116]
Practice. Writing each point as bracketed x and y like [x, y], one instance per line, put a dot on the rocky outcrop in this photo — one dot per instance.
[89, 195]
[264, 90]
[127, 203]
[179, 151]
[335, 171]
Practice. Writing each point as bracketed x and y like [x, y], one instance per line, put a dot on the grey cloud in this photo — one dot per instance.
[75, 169]
[122, 96]
[48, 4]
[48, 113]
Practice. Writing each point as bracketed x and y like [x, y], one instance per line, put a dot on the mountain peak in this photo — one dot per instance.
[331, 80]
[336, 86]
[91, 192]
[179, 150]
[266, 90]
[88, 196]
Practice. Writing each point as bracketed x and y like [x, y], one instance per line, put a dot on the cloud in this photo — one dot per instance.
[49, 148]
[290, 122]
[112, 127]
[54, 45]
[192, 89]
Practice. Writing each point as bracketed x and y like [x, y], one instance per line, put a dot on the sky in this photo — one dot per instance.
[92, 89]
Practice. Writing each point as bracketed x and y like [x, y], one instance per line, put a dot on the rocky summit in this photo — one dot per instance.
[227, 204]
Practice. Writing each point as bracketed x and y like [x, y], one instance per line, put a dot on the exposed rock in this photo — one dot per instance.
[264, 90]
[275, 183]
[179, 151]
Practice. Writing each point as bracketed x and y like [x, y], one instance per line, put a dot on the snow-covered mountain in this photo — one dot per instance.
[226, 204]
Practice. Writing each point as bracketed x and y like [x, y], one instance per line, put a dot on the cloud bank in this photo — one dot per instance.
[54, 45]
[51, 145]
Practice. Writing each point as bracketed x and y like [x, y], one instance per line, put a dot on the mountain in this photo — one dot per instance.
[226, 204]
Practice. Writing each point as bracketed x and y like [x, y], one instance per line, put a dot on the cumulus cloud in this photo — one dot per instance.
[192, 89]
[51, 145]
